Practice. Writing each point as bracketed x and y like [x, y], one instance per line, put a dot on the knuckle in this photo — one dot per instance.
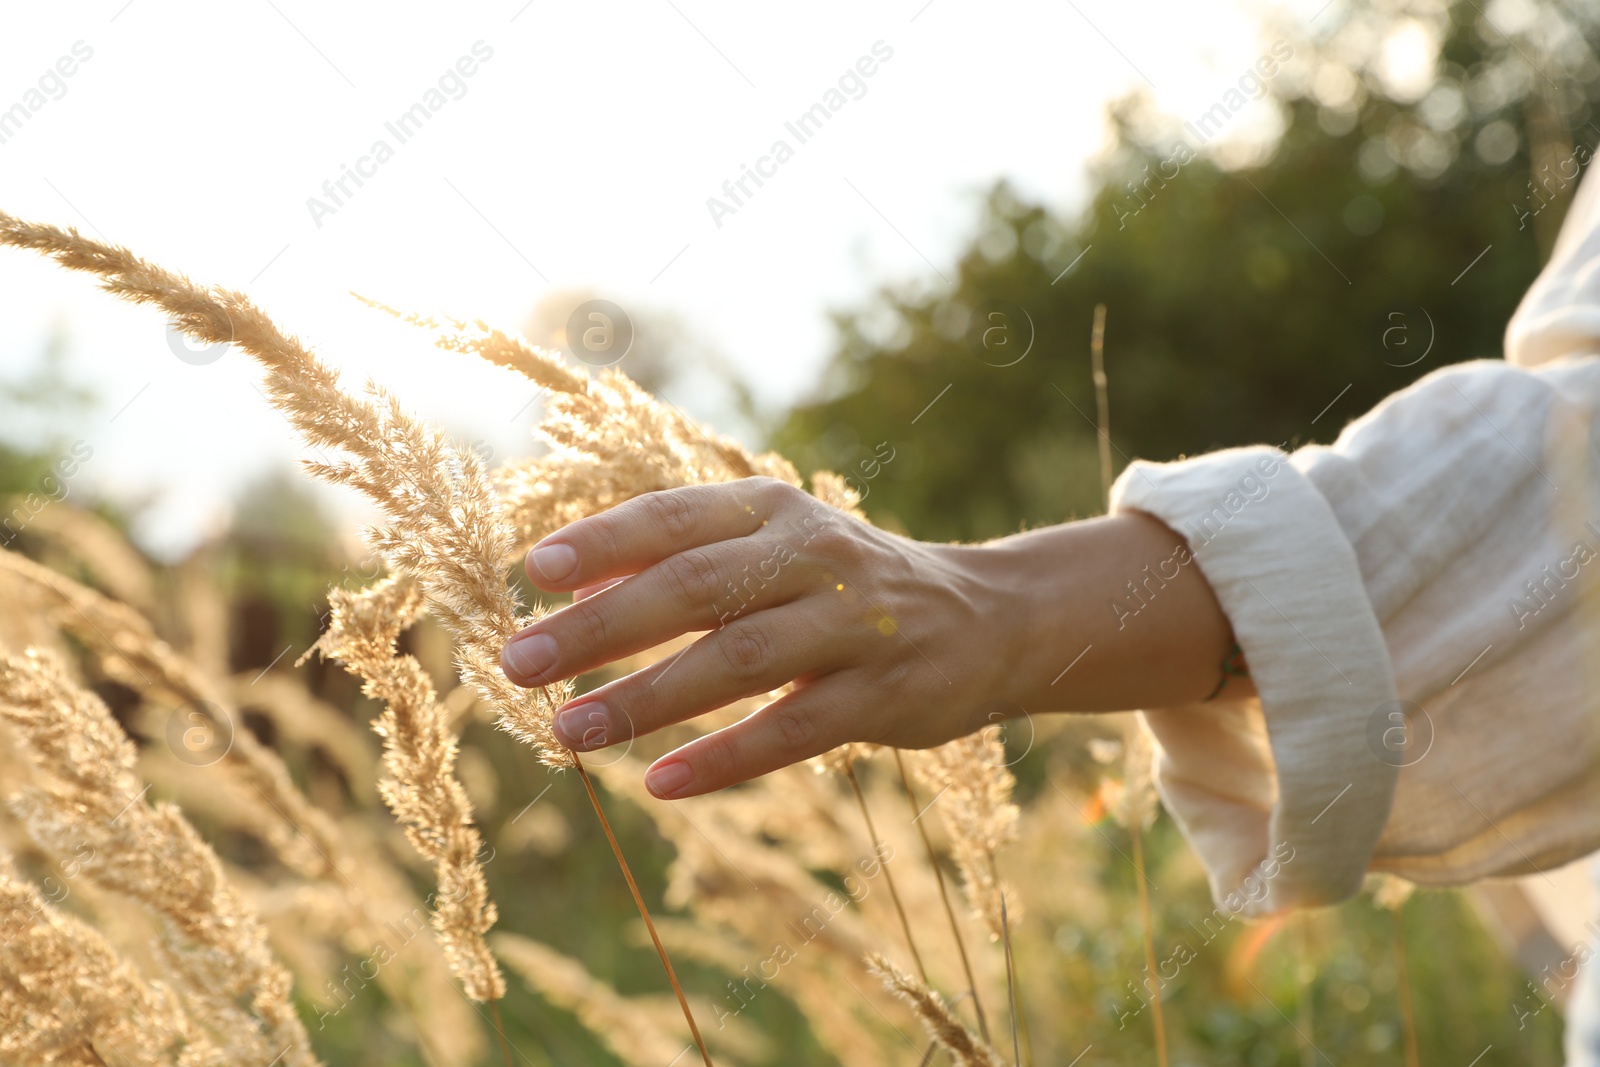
[718, 753]
[836, 541]
[795, 726]
[670, 510]
[747, 650]
[604, 530]
[590, 624]
[773, 489]
[692, 576]
[639, 708]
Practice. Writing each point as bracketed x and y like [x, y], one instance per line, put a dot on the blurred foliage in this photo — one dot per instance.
[1269, 301]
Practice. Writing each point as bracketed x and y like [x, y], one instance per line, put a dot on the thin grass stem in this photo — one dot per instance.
[1305, 984]
[944, 895]
[1102, 400]
[1157, 1018]
[644, 912]
[1408, 1010]
[1011, 982]
[1097, 357]
[888, 876]
[499, 1028]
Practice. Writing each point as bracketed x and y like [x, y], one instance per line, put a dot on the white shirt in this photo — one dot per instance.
[1416, 606]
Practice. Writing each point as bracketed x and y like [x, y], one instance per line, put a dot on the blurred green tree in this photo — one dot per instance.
[1253, 297]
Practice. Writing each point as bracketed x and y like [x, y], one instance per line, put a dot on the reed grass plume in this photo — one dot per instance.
[68, 997]
[929, 1007]
[129, 651]
[94, 544]
[450, 531]
[972, 787]
[1139, 803]
[419, 755]
[608, 439]
[443, 523]
[302, 719]
[445, 527]
[249, 790]
[88, 803]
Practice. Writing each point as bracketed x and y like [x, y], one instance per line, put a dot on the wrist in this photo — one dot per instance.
[1068, 635]
[1008, 598]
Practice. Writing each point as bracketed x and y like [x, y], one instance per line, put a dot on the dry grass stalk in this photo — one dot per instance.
[1139, 803]
[732, 878]
[1011, 982]
[20, 629]
[258, 795]
[644, 912]
[1139, 811]
[223, 803]
[935, 1015]
[637, 1032]
[729, 877]
[319, 925]
[201, 612]
[96, 546]
[944, 892]
[444, 523]
[323, 931]
[67, 997]
[445, 530]
[1408, 1009]
[609, 439]
[129, 651]
[972, 792]
[87, 796]
[419, 754]
[888, 875]
[302, 719]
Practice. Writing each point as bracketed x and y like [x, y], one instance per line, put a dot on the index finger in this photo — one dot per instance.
[647, 529]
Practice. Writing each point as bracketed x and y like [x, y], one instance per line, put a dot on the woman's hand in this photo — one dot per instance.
[880, 633]
[887, 639]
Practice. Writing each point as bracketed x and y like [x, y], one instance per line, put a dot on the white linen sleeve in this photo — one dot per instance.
[1418, 606]
[1282, 797]
[1560, 313]
[1433, 577]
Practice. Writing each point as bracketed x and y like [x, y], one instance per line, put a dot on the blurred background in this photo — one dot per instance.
[1289, 211]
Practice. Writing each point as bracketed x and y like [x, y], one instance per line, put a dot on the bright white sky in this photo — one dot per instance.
[581, 154]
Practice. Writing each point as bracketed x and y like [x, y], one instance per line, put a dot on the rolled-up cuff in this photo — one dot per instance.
[1284, 798]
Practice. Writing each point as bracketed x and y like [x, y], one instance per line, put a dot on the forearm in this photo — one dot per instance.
[880, 637]
[1102, 615]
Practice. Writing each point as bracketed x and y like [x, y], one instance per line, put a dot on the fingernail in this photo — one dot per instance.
[584, 727]
[554, 562]
[668, 778]
[527, 657]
